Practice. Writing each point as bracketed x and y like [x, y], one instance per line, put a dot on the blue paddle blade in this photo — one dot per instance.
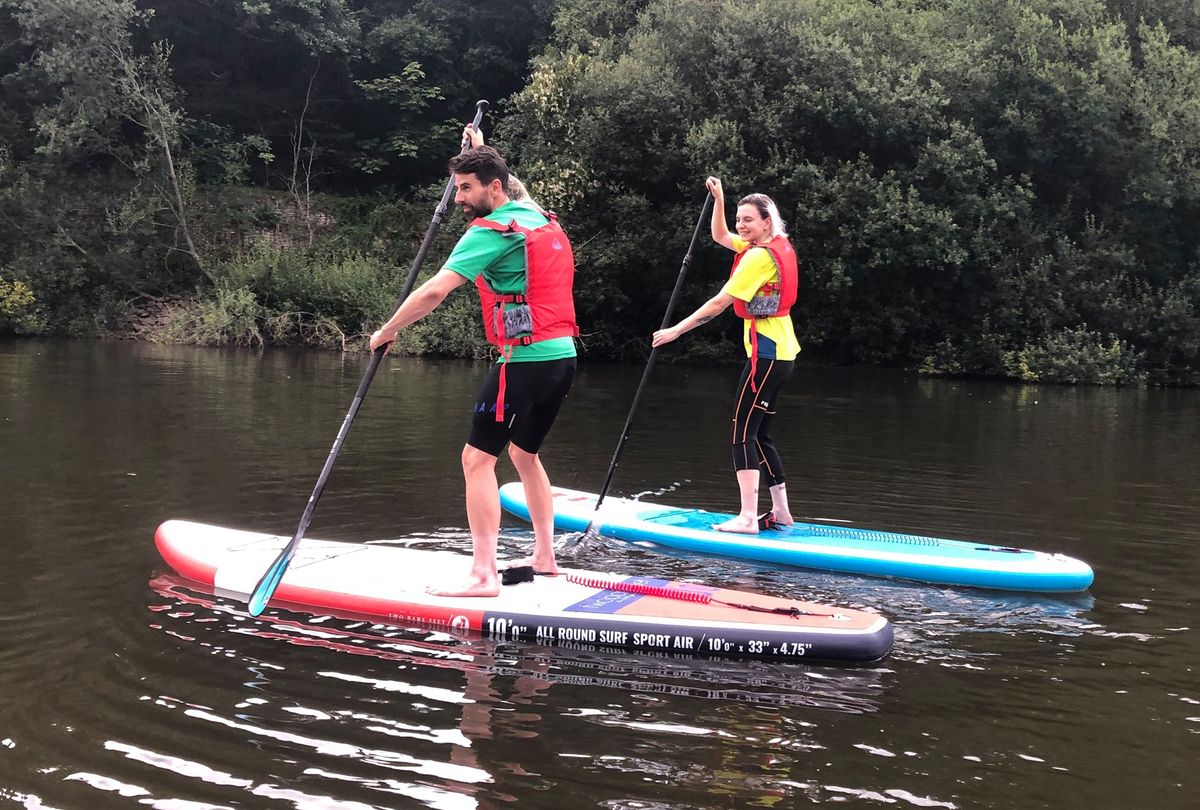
[266, 586]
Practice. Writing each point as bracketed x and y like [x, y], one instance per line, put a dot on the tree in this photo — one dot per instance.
[83, 58]
[969, 182]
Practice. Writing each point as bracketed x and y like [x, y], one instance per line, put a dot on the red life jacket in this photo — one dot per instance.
[546, 309]
[773, 299]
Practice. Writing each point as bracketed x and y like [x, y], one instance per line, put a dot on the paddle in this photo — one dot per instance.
[266, 585]
[637, 397]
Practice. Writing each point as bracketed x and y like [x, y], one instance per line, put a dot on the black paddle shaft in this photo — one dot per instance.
[273, 574]
[637, 397]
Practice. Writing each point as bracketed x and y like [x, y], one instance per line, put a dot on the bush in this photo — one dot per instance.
[232, 318]
[19, 310]
[454, 329]
[1078, 356]
[1173, 329]
[299, 286]
[306, 297]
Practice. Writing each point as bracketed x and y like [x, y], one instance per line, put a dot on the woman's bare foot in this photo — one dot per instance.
[780, 512]
[474, 586]
[739, 525]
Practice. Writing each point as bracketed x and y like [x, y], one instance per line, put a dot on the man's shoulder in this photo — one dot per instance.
[526, 216]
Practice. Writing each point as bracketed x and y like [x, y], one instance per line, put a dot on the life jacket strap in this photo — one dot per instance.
[506, 355]
[753, 355]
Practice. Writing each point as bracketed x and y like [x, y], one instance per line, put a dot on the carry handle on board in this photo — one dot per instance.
[270, 579]
[637, 397]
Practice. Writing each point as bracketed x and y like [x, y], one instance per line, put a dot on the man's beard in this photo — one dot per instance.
[472, 212]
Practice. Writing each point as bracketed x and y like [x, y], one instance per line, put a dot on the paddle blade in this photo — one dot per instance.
[568, 541]
[266, 586]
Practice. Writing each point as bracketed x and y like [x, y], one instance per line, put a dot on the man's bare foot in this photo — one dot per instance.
[784, 518]
[540, 566]
[738, 525]
[474, 586]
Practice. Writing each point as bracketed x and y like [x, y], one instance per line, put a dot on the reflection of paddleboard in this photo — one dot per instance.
[831, 548]
[388, 584]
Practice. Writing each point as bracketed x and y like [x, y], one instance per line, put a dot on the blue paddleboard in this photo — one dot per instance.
[811, 545]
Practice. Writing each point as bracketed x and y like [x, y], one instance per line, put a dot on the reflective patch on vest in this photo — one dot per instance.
[763, 306]
[518, 320]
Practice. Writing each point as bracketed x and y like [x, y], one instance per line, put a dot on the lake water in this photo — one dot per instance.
[122, 687]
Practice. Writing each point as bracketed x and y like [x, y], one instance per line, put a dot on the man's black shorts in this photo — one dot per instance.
[533, 394]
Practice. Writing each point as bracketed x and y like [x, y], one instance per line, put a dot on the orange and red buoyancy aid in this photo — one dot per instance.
[546, 309]
[773, 299]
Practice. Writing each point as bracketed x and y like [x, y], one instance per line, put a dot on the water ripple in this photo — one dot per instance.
[352, 714]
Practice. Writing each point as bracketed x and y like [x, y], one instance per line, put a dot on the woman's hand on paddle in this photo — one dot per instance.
[472, 137]
[664, 336]
[382, 338]
[720, 231]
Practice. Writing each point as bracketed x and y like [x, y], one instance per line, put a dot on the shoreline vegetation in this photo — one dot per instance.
[983, 188]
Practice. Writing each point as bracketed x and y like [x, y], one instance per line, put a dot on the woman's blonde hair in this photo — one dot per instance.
[516, 189]
[767, 210]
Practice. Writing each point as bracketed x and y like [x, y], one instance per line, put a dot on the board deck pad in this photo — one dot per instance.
[813, 545]
[387, 584]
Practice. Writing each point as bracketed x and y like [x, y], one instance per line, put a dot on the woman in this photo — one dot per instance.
[761, 288]
[516, 189]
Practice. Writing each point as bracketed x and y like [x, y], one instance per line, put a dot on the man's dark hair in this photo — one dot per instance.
[484, 162]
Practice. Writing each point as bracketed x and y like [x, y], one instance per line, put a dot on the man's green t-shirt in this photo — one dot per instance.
[501, 260]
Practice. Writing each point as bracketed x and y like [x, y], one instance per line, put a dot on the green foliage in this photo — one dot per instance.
[299, 297]
[232, 317]
[224, 158]
[96, 190]
[452, 330]
[1170, 326]
[372, 93]
[19, 310]
[966, 183]
[1078, 356]
[998, 187]
[321, 26]
[348, 290]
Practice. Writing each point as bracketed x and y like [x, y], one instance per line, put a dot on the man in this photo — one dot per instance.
[521, 263]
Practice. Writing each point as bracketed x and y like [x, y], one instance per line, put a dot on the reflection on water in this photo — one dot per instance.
[503, 693]
[844, 688]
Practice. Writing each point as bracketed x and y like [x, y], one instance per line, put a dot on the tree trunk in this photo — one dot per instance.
[179, 208]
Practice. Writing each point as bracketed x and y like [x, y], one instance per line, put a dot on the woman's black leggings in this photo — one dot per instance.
[753, 447]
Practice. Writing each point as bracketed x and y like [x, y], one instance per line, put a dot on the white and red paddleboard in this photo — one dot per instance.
[387, 584]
